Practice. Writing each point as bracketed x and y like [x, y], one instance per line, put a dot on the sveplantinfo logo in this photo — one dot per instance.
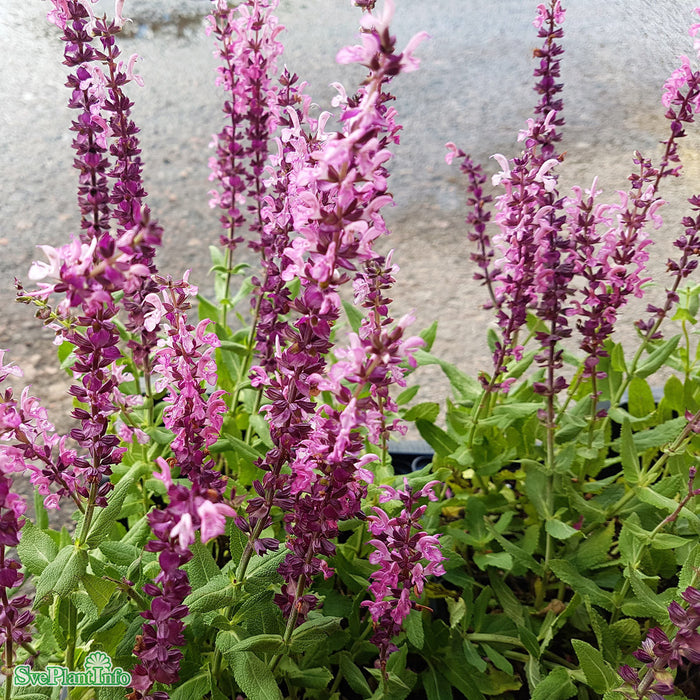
[97, 672]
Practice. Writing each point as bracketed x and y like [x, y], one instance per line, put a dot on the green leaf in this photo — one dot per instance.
[262, 570]
[520, 556]
[428, 335]
[565, 571]
[207, 309]
[658, 357]
[465, 388]
[437, 687]
[36, 549]
[317, 678]
[407, 395]
[471, 656]
[85, 605]
[560, 530]
[425, 411]
[510, 604]
[42, 514]
[99, 590]
[436, 437]
[596, 548]
[462, 679]
[353, 675]
[107, 516]
[265, 643]
[201, 568]
[646, 602]
[499, 560]
[689, 573]
[617, 358]
[457, 609]
[354, 315]
[193, 689]
[119, 553]
[668, 505]
[659, 435]
[555, 686]
[214, 594]
[313, 631]
[536, 488]
[413, 625]
[599, 674]
[641, 399]
[63, 575]
[497, 659]
[253, 676]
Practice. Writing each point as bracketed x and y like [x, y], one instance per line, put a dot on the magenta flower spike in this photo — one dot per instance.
[185, 365]
[406, 556]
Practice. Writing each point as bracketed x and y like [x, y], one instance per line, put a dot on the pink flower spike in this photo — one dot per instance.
[165, 475]
[184, 531]
[213, 517]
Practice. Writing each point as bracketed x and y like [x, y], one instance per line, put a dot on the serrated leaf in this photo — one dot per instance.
[596, 548]
[193, 689]
[689, 572]
[107, 516]
[555, 686]
[565, 571]
[262, 570]
[99, 590]
[313, 631]
[253, 676]
[413, 625]
[641, 399]
[646, 601]
[214, 594]
[265, 643]
[119, 553]
[668, 505]
[457, 609]
[660, 435]
[560, 530]
[599, 674]
[62, 576]
[317, 678]
[36, 549]
[201, 568]
[84, 604]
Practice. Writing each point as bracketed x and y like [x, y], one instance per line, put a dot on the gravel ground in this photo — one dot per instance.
[473, 88]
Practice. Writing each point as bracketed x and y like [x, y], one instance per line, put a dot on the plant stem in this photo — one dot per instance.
[72, 634]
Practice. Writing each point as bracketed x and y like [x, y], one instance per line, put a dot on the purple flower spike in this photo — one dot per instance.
[406, 556]
[662, 654]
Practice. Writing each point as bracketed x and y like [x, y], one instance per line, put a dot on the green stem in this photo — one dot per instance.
[72, 634]
[89, 512]
[149, 393]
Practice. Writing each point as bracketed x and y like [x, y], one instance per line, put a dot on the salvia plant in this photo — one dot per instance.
[239, 527]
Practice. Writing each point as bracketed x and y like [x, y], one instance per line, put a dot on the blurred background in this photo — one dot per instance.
[474, 87]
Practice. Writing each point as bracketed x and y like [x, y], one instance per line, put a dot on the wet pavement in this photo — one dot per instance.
[473, 88]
